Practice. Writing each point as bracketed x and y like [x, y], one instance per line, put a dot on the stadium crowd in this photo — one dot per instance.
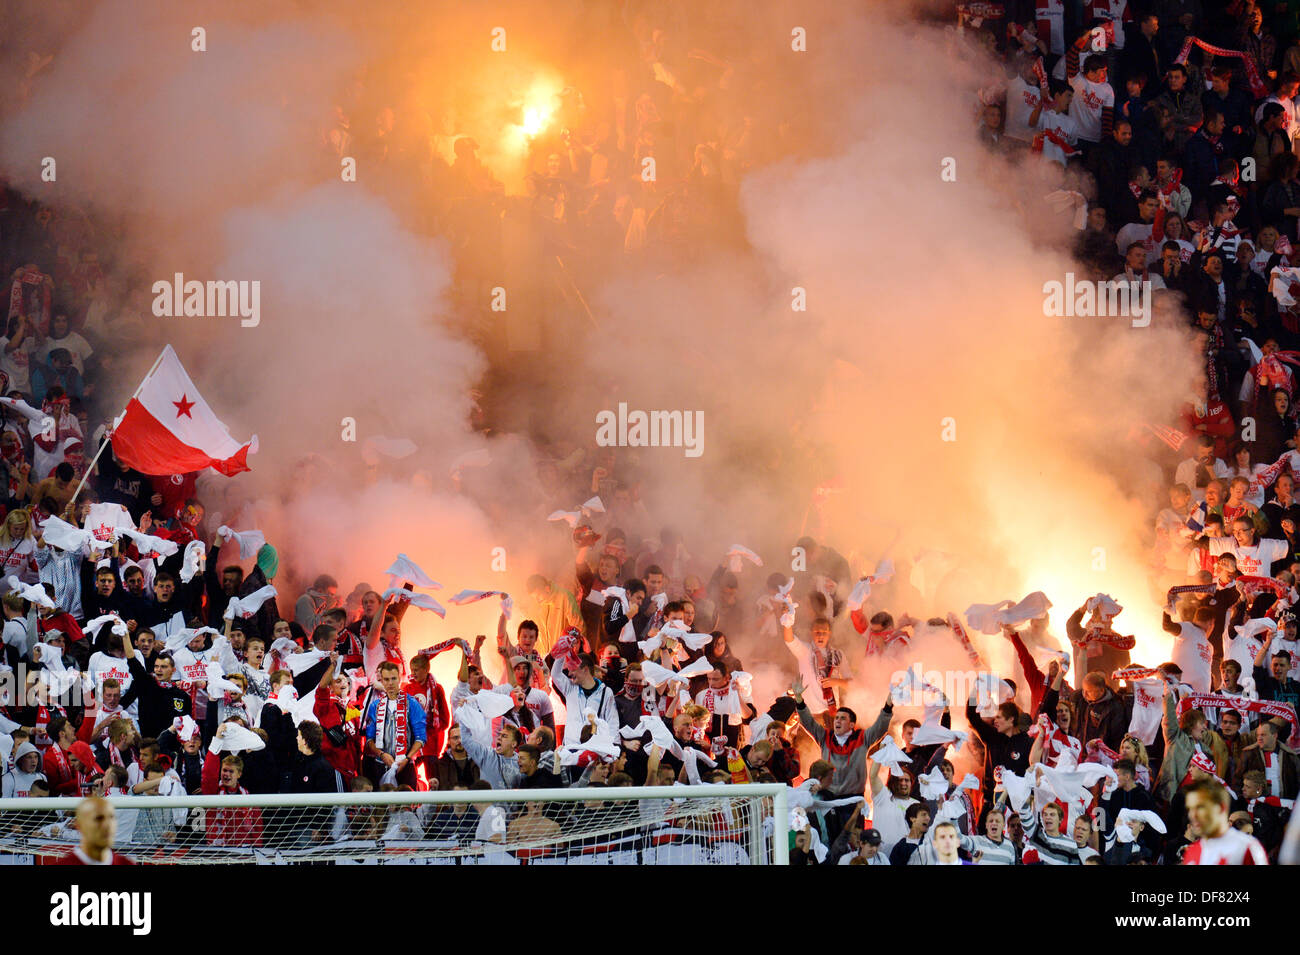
[151, 649]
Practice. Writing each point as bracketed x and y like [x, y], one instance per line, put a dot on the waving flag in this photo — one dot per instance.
[168, 428]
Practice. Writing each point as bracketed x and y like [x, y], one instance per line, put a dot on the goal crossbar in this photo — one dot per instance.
[750, 819]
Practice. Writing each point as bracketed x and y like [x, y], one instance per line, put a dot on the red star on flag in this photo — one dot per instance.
[183, 407]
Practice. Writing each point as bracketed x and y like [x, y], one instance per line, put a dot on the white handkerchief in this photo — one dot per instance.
[237, 739]
[150, 546]
[406, 569]
[192, 562]
[250, 542]
[247, 606]
[423, 601]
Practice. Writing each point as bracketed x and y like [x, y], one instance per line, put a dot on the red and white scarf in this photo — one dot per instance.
[381, 715]
[1257, 87]
[1269, 708]
[61, 761]
[31, 277]
[1056, 742]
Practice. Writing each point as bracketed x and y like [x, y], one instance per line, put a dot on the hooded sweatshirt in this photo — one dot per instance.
[16, 782]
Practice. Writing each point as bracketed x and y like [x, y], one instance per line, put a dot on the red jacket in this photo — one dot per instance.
[346, 758]
[228, 827]
[433, 700]
[61, 776]
[1216, 422]
[64, 623]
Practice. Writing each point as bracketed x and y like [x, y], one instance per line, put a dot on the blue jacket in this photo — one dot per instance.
[415, 727]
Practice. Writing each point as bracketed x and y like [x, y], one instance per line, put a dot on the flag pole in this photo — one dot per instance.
[109, 433]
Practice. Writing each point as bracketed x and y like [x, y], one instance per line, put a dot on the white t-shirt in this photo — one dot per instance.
[1193, 655]
[1254, 561]
[1053, 12]
[17, 364]
[1064, 129]
[1234, 847]
[887, 817]
[77, 347]
[1135, 232]
[1021, 100]
[104, 667]
[1085, 107]
[1113, 10]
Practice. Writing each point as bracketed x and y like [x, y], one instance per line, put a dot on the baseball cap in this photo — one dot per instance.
[871, 837]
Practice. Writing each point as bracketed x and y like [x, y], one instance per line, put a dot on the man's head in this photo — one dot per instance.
[231, 578]
[163, 668]
[310, 738]
[110, 693]
[654, 580]
[1254, 784]
[718, 678]
[507, 740]
[390, 678]
[97, 823]
[1176, 77]
[324, 637]
[1214, 123]
[1193, 723]
[586, 673]
[419, 667]
[1136, 257]
[1006, 717]
[232, 767]
[1207, 807]
[821, 632]
[164, 585]
[105, 581]
[1052, 818]
[1280, 665]
[1123, 132]
[1266, 736]
[845, 721]
[528, 758]
[454, 744]
[1094, 686]
[917, 818]
[526, 636]
[1229, 723]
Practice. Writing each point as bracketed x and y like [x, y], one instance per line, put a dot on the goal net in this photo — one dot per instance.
[670, 825]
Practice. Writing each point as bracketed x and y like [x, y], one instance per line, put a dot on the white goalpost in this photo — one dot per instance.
[642, 825]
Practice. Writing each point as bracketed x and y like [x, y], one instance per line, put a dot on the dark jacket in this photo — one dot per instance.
[1252, 757]
[158, 705]
[541, 779]
[450, 775]
[1106, 720]
[313, 774]
[1009, 752]
[1200, 164]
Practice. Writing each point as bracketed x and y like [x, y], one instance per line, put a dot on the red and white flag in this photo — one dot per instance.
[168, 428]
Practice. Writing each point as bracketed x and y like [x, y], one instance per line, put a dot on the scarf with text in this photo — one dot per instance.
[381, 717]
[1269, 708]
[1257, 87]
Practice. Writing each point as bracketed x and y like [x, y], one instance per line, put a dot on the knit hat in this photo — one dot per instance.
[268, 561]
